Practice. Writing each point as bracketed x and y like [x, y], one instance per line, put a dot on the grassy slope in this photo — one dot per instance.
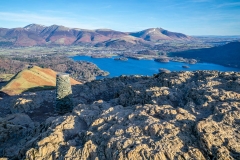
[33, 78]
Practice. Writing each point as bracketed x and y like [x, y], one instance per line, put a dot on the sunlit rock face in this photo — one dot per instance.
[177, 115]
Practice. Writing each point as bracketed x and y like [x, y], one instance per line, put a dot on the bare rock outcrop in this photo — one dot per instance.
[177, 115]
[14, 129]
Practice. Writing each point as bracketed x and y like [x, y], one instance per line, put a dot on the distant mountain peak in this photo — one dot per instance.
[34, 25]
[156, 34]
[103, 29]
[34, 28]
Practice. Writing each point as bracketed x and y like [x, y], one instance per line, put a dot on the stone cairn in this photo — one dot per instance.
[63, 94]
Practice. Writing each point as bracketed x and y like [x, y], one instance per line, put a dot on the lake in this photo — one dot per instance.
[146, 67]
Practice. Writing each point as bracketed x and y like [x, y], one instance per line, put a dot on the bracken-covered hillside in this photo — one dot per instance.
[32, 78]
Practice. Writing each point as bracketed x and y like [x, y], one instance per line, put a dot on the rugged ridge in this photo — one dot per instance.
[34, 34]
[177, 115]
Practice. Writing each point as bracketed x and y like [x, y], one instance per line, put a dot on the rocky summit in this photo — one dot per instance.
[177, 115]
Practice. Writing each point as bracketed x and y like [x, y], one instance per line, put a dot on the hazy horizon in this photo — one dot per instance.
[191, 17]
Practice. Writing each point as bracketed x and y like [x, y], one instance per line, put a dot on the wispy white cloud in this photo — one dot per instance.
[69, 20]
[232, 4]
[56, 12]
[200, 0]
[47, 19]
[107, 6]
[26, 17]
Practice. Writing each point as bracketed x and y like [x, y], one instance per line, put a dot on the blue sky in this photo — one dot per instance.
[192, 17]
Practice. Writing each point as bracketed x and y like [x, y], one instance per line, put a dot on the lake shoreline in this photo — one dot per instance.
[147, 67]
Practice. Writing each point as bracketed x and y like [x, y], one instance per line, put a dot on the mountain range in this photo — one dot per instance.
[35, 34]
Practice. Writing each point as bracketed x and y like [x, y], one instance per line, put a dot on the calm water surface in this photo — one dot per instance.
[146, 67]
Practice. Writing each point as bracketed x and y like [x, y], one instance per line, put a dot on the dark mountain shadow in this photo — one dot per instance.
[3, 94]
[226, 55]
[41, 88]
[4, 109]
[3, 83]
